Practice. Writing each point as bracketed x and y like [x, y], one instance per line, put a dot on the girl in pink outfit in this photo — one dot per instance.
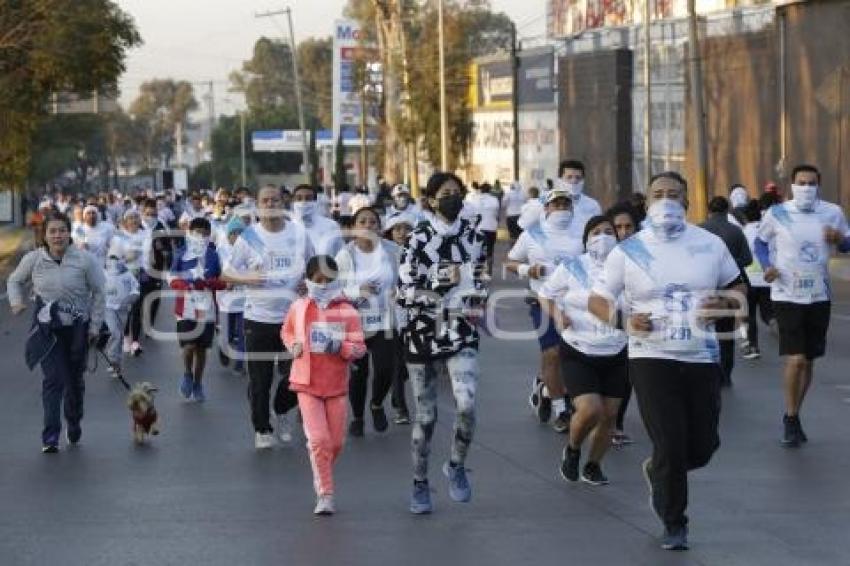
[324, 335]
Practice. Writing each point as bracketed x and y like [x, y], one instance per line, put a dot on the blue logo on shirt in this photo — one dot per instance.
[677, 298]
[809, 252]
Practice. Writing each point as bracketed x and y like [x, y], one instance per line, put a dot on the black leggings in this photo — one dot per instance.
[381, 349]
[133, 329]
[399, 401]
[758, 298]
[262, 340]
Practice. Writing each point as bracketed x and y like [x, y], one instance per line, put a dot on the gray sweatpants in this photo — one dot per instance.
[115, 321]
[463, 372]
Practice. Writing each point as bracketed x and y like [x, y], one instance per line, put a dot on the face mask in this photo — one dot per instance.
[449, 206]
[196, 245]
[304, 210]
[599, 246]
[805, 196]
[575, 189]
[667, 218]
[324, 293]
[560, 219]
[400, 202]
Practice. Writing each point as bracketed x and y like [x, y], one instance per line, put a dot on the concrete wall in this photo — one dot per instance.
[595, 120]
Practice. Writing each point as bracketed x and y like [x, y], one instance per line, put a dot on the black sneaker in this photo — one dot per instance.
[73, 434]
[790, 434]
[49, 449]
[569, 464]
[593, 475]
[402, 417]
[379, 419]
[561, 424]
[800, 433]
[675, 538]
[355, 428]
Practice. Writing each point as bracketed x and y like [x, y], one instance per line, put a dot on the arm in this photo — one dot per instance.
[287, 331]
[353, 345]
[345, 263]
[15, 285]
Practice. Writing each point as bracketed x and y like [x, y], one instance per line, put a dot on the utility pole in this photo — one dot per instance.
[294, 53]
[410, 145]
[444, 141]
[647, 83]
[364, 157]
[515, 98]
[242, 145]
[211, 109]
[695, 75]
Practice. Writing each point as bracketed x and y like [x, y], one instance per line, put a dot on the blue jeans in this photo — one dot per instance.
[63, 387]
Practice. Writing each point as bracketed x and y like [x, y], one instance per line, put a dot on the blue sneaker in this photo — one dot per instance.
[420, 500]
[198, 392]
[186, 385]
[459, 488]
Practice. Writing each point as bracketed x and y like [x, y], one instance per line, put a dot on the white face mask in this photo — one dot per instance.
[323, 294]
[560, 219]
[575, 189]
[805, 196]
[600, 245]
[196, 246]
[304, 210]
[667, 218]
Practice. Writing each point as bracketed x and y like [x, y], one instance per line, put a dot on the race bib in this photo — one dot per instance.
[200, 301]
[675, 334]
[322, 333]
[806, 285]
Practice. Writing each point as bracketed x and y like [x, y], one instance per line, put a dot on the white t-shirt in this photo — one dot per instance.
[135, 248]
[755, 273]
[544, 245]
[231, 300]
[570, 288]
[281, 258]
[802, 254]
[669, 280]
[324, 233]
[513, 200]
[584, 208]
[118, 288]
[96, 239]
[487, 206]
[378, 268]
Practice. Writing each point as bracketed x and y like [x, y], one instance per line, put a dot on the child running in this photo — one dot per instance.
[323, 333]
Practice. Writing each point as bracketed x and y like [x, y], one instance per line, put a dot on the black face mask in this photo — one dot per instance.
[449, 207]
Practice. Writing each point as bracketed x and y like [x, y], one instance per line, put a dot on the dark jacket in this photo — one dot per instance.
[719, 225]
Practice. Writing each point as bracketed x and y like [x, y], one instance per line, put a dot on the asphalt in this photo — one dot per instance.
[201, 494]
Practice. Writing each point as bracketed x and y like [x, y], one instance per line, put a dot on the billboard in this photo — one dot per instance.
[492, 146]
[492, 85]
[349, 50]
[538, 146]
[535, 78]
[278, 140]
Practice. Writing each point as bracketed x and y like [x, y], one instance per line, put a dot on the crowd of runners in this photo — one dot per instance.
[349, 296]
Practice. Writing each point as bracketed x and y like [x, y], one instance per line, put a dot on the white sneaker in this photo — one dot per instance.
[324, 505]
[263, 441]
[284, 429]
[126, 347]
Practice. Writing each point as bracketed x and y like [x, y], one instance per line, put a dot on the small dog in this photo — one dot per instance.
[145, 420]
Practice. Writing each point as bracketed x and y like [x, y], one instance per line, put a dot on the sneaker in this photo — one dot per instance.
[420, 499]
[402, 417]
[263, 440]
[561, 424]
[379, 419]
[647, 470]
[534, 396]
[751, 353]
[49, 449]
[284, 429]
[593, 475]
[569, 464]
[186, 385]
[620, 438]
[324, 505]
[198, 394]
[135, 349]
[355, 428]
[73, 434]
[544, 407]
[800, 433]
[459, 488]
[675, 539]
[790, 435]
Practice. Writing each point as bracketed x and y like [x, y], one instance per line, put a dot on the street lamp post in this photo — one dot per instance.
[444, 142]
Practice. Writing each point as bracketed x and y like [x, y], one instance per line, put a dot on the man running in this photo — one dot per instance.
[670, 273]
[324, 233]
[801, 233]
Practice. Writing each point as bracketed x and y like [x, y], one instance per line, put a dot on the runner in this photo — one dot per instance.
[593, 353]
[121, 289]
[513, 200]
[133, 240]
[269, 259]
[441, 281]
[231, 305]
[572, 178]
[93, 234]
[69, 309]
[368, 271]
[538, 251]
[802, 232]
[324, 233]
[758, 294]
[671, 274]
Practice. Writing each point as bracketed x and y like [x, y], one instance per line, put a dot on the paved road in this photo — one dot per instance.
[200, 494]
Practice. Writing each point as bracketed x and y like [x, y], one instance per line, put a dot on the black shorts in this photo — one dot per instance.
[802, 328]
[607, 376]
[513, 226]
[189, 329]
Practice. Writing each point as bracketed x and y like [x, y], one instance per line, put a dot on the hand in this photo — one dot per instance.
[640, 323]
[18, 309]
[367, 290]
[771, 274]
[713, 303]
[832, 236]
[562, 321]
[537, 271]
[297, 350]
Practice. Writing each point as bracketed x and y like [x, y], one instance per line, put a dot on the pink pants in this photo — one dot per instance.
[324, 427]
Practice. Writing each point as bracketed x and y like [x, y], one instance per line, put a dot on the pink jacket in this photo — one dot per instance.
[320, 374]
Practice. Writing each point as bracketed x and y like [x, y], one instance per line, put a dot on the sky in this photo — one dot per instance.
[204, 40]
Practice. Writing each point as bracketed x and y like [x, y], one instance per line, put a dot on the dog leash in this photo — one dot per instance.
[118, 375]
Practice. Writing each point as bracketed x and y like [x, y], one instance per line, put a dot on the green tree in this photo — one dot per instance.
[162, 112]
[49, 46]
